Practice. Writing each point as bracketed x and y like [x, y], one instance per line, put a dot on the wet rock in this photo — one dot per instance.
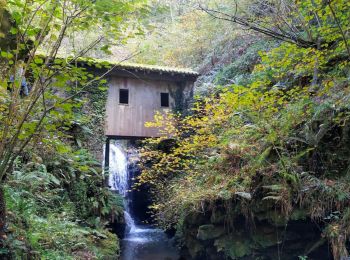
[217, 217]
[194, 247]
[298, 214]
[274, 217]
[224, 232]
[245, 195]
[195, 219]
[265, 239]
[234, 245]
[207, 232]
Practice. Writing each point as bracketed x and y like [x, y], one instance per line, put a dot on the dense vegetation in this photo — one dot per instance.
[53, 200]
[258, 169]
[268, 143]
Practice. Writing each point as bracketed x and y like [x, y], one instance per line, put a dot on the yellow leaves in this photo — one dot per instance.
[222, 144]
[328, 86]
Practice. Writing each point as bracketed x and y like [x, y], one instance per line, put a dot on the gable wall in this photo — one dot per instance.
[144, 100]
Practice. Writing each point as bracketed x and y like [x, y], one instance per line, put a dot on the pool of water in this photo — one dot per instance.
[147, 243]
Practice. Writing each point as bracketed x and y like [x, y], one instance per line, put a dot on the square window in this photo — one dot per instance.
[164, 99]
[123, 96]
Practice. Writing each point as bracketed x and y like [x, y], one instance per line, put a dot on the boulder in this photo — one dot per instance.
[207, 232]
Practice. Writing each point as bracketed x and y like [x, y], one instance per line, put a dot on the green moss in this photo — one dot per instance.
[194, 219]
[234, 245]
[276, 218]
[98, 63]
[298, 214]
[217, 217]
[207, 232]
[194, 247]
[239, 249]
[272, 216]
[265, 240]
[109, 247]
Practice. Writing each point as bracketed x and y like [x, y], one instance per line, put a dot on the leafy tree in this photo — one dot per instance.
[281, 138]
[38, 89]
[304, 23]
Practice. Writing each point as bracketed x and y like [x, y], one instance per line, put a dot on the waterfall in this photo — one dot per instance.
[141, 241]
[119, 179]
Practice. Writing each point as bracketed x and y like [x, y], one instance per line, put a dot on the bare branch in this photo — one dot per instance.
[282, 35]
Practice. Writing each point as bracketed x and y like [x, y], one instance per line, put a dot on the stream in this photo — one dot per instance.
[141, 241]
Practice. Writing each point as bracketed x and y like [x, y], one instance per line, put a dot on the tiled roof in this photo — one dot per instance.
[141, 67]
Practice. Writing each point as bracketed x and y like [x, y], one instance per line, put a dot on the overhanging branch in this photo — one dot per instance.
[285, 36]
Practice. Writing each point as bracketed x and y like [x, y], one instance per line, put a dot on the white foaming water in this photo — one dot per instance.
[118, 169]
[141, 242]
[118, 179]
[129, 222]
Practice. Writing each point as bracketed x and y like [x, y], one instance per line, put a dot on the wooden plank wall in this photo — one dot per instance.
[144, 100]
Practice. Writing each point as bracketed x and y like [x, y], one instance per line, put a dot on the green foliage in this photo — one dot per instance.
[217, 145]
[239, 71]
[281, 139]
[183, 36]
[57, 202]
[45, 109]
[46, 218]
[58, 206]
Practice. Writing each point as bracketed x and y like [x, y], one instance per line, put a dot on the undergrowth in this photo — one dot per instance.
[49, 221]
[58, 206]
[278, 138]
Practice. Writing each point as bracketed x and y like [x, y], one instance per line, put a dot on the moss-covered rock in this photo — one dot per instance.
[264, 239]
[195, 219]
[234, 246]
[298, 214]
[224, 231]
[274, 217]
[207, 232]
[217, 217]
[194, 247]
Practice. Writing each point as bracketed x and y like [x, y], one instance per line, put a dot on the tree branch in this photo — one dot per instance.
[340, 28]
[258, 28]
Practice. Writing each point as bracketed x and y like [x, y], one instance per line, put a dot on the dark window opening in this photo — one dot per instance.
[164, 99]
[123, 96]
